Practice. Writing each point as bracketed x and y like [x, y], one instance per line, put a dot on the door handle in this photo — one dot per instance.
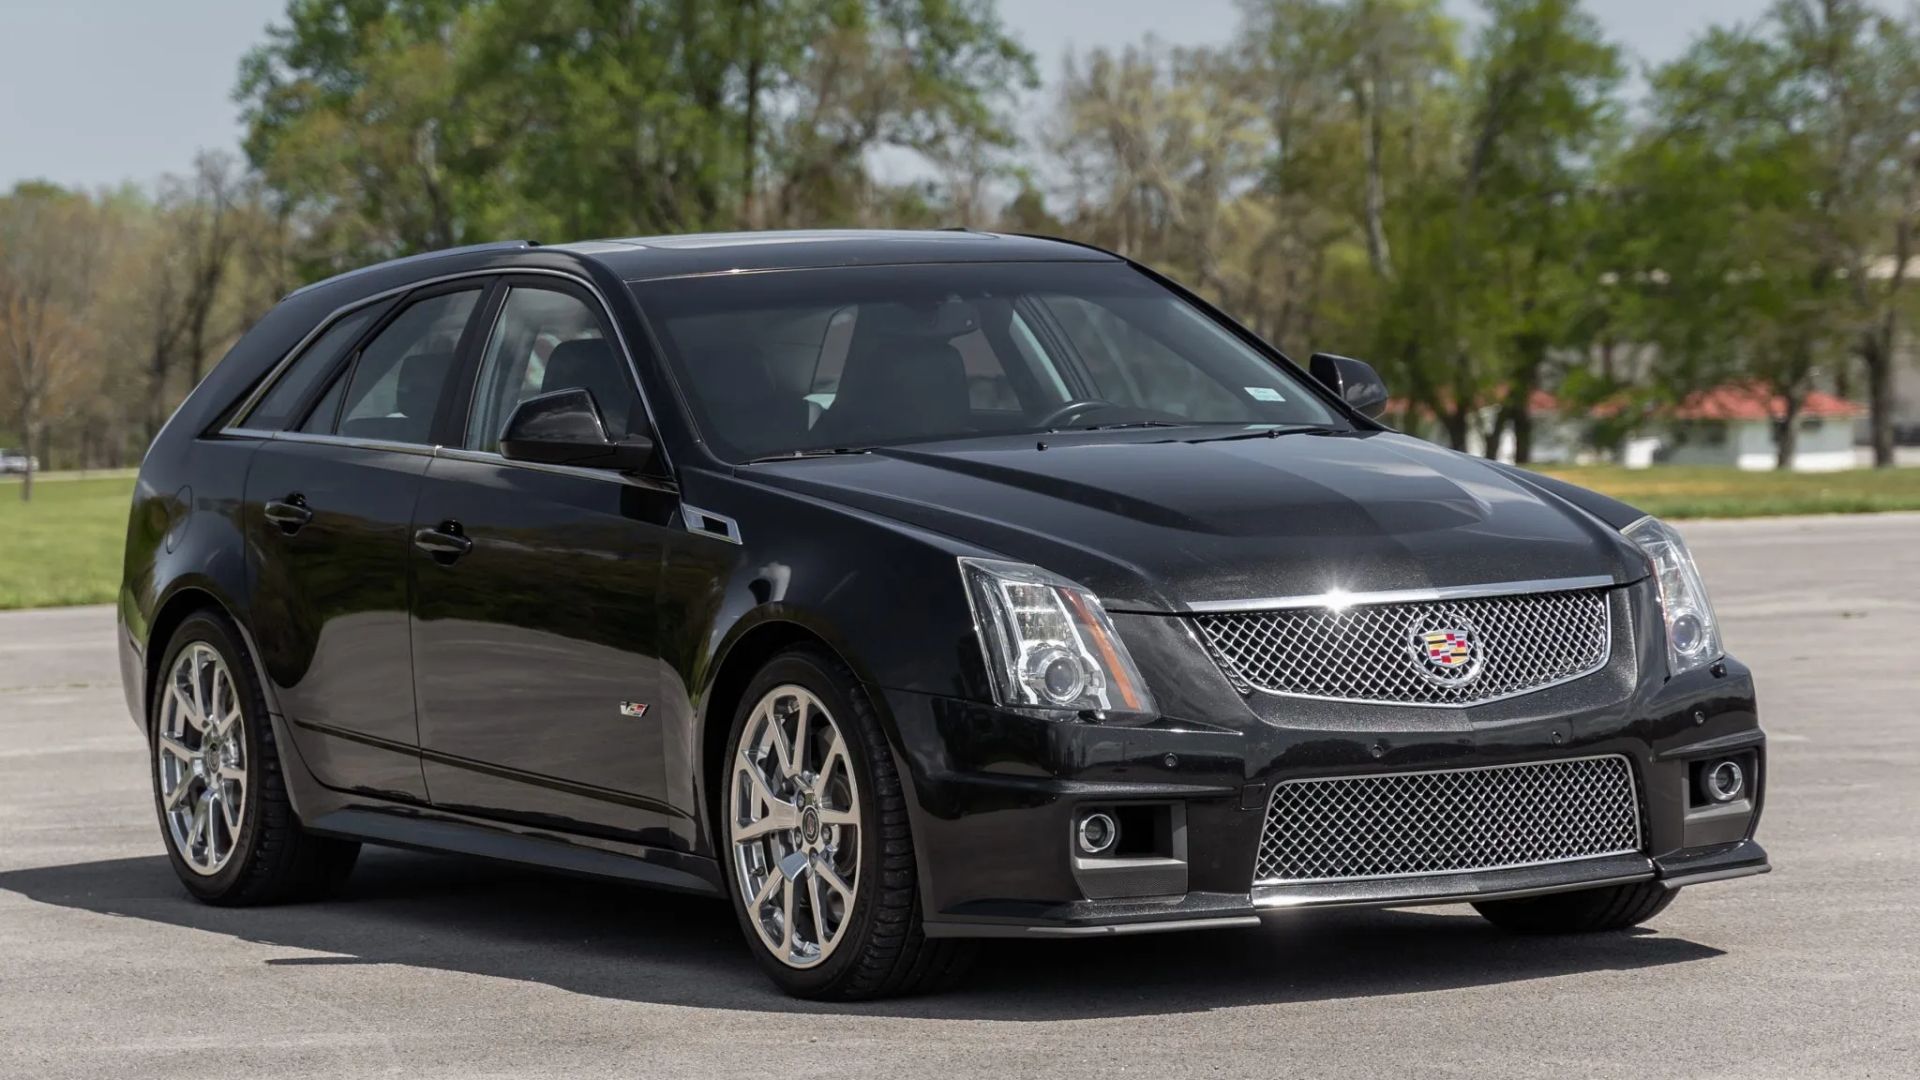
[445, 542]
[289, 513]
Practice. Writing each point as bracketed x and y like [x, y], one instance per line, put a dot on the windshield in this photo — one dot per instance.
[787, 362]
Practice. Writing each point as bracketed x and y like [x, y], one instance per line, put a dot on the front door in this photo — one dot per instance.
[328, 510]
[534, 629]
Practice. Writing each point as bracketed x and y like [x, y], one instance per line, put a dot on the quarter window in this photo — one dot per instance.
[277, 406]
[395, 385]
[546, 341]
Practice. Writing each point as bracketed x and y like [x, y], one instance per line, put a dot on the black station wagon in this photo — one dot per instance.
[902, 589]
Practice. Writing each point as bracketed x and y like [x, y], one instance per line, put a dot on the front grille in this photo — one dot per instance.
[1407, 824]
[1500, 646]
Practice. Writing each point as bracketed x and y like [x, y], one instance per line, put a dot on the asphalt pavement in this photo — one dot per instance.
[434, 966]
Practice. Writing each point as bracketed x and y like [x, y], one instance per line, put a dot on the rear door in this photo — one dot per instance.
[535, 630]
[329, 505]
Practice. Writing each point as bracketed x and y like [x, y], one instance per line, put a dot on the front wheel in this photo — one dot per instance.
[1585, 911]
[815, 836]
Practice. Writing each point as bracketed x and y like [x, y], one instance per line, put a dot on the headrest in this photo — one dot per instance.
[585, 362]
[416, 391]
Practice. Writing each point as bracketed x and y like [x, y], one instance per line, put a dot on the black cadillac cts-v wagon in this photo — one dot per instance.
[902, 589]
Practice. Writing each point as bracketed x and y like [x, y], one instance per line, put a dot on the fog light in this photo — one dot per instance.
[1097, 833]
[1723, 782]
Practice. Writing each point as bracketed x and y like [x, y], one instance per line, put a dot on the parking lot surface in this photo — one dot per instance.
[433, 966]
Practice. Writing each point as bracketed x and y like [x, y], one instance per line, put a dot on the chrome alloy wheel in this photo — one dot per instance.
[793, 818]
[200, 753]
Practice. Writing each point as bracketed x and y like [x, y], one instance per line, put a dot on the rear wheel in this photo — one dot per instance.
[228, 825]
[1614, 907]
[815, 836]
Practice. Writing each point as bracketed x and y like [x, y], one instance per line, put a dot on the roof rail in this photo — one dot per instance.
[497, 245]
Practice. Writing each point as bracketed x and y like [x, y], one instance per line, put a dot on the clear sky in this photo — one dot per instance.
[93, 92]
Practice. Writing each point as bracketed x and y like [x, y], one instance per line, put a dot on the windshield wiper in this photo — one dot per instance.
[795, 455]
[1129, 424]
[1272, 433]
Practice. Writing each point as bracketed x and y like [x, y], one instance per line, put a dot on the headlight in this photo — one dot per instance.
[1693, 634]
[1048, 642]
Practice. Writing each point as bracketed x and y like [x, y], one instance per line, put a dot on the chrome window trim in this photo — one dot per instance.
[387, 445]
[280, 366]
[1337, 599]
[613, 476]
[1633, 793]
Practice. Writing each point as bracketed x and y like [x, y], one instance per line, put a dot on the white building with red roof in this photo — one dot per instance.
[1735, 425]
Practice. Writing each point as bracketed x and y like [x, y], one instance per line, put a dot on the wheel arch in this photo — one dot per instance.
[747, 650]
[182, 603]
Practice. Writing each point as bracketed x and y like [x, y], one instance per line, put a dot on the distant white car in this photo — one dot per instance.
[16, 461]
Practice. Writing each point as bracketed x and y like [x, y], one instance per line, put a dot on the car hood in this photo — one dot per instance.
[1160, 523]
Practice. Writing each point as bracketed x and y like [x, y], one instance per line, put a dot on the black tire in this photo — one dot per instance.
[1588, 911]
[274, 860]
[884, 952]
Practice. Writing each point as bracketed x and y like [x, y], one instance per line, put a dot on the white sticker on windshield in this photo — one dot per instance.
[1263, 393]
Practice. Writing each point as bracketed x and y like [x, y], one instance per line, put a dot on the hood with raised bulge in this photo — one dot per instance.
[1153, 523]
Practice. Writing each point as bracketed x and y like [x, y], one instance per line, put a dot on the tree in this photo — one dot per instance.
[392, 126]
[50, 254]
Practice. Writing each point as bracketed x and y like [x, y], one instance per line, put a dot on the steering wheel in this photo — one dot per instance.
[1072, 408]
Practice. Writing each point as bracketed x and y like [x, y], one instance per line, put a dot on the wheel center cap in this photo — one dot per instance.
[810, 824]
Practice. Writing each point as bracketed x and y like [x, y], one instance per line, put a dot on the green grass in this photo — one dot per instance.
[63, 546]
[1681, 492]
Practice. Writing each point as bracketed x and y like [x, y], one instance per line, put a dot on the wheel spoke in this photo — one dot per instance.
[215, 703]
[200, 709]
[799, 738]
[838, 817]
[836, 757]
[759, 782]
[188, 711]
[776, 734]
[786, 919]
[775, 821]
[230, 810]
[172, 799]
[201, 822]
[819, 913]
[831, 875]
[177, 748]
[216, 816]
[765, 892]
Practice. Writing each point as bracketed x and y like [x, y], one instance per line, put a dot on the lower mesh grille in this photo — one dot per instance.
[1407, 824]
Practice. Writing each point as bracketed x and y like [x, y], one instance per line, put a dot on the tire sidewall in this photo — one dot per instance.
[211, 630]
[805, 669]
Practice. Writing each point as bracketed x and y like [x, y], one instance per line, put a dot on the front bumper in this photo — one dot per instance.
[995, 796]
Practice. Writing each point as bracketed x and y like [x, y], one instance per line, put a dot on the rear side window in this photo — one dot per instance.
[394, 387]
[280, 402]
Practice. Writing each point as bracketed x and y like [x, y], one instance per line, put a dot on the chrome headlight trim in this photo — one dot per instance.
[1048, 644]
[1691, 629]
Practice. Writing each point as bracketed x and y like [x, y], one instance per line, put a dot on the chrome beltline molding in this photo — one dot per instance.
[1336, 598]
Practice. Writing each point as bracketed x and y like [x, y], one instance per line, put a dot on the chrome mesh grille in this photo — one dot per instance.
[1405, 824]
[1373, 653]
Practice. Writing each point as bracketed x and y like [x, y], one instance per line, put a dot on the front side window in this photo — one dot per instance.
[544, 341]
[784, 362]
[394, 387]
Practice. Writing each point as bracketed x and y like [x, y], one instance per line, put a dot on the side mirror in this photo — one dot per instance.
[564, 428]
[1354, 380]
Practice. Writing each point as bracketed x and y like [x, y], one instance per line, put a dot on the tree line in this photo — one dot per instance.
[1487, 210]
